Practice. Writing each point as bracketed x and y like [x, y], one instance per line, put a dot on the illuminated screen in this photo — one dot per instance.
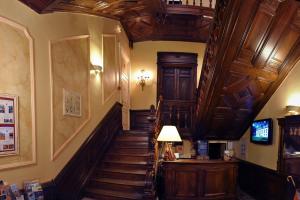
[261, 131]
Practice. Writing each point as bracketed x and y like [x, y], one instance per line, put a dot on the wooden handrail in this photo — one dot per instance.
[149, 191]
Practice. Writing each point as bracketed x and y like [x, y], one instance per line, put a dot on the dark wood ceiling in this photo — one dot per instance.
[141, 19]
[252, 47]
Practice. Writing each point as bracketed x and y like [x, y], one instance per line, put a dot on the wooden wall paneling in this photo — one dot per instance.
[71, 180]
[289, 165]
[194, 179]
[252, 47]
[260, 182]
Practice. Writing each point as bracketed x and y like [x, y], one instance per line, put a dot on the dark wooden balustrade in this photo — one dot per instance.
[71, 180]
[149, 192]
[179, 114]
[190, 2]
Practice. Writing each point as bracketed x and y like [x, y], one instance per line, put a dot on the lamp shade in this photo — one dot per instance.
[169, 134]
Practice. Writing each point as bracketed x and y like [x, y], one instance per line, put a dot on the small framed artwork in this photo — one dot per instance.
[71, 103]
[9, 125]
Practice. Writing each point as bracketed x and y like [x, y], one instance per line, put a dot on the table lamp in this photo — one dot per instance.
[167, 135]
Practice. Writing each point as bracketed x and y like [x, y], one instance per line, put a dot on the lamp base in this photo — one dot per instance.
[168, 153]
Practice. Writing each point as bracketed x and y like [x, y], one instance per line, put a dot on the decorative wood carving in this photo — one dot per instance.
[142, 19]
[252, 47]
[289, 162]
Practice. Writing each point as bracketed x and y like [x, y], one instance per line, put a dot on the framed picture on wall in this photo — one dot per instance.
[71, 103]
[9, 125]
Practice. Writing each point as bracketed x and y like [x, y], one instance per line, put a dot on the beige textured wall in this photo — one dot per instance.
[110, 78]
[70, 67]
[51, 27]
[287, 93]
[15, 79]
[144, 56]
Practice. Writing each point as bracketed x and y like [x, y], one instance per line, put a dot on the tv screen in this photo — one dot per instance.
[262, 131]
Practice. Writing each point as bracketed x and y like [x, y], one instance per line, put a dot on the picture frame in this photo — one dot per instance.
[71, 103]
[9, 131]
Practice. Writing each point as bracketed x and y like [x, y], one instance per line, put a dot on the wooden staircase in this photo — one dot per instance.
[123, 172]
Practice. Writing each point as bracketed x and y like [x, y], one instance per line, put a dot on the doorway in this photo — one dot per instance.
[177, 79]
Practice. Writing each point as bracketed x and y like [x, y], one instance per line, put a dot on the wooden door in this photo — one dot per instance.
[177, 73]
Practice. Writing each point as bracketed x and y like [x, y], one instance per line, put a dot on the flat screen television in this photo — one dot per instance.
[261, 131]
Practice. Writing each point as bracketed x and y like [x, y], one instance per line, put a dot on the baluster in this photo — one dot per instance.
[201, 3]
[170, 115]
[185, 120]
[210, 3]
[194, 2]
[178, 118]
[187, 2]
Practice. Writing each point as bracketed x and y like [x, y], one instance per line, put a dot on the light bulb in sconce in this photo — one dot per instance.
[142, 78]
[292, 110]
[97, 68]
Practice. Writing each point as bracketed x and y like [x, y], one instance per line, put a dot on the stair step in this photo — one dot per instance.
[117, 173]
[131, 150]
[132, 138]
[132, 165]
[112, 195]
[138, 132]
[130, 144]
[116, 157]
[117, 184]
[120, 182]
[127, 171]
[129, 154]
[126, 162]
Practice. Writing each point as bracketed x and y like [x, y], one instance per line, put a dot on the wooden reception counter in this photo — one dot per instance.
[188, 179]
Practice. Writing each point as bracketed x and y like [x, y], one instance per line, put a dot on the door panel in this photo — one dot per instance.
[177, 74]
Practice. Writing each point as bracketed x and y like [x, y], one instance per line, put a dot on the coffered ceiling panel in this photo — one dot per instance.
[142, 19]
[252, 47]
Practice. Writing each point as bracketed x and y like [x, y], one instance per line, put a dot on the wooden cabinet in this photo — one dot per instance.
[194, 179]
[289, 147]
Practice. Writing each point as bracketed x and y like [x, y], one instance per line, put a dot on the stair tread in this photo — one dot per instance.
[127, 171]
[126, 162]
[120, 181]
[137, 131]
[129, 154]
[118, 194]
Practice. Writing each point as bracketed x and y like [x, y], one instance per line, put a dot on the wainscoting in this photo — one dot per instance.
[69, 183]
[260, 182]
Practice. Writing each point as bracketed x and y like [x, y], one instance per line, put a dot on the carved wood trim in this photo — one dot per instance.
[252, 47]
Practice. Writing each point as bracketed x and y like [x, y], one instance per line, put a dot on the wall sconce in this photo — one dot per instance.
[142, 78]
[97, 69]
[292, 110]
